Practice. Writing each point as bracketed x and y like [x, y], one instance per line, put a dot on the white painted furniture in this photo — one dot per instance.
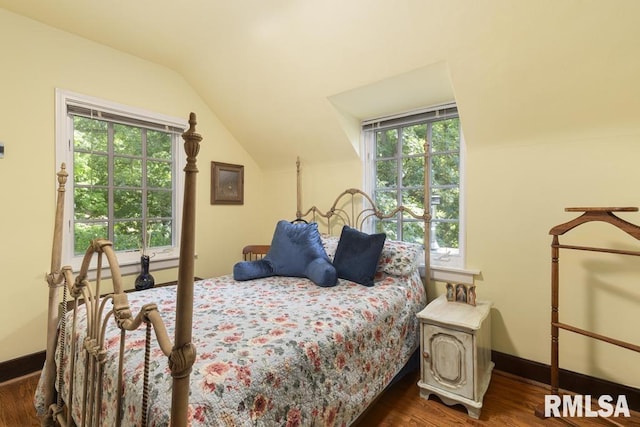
[455, 342]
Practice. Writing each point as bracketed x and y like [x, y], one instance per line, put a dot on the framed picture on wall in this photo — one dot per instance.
[227, 184]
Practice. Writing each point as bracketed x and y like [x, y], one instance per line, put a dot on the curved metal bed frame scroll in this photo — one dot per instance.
[357, 218]
[181, 356]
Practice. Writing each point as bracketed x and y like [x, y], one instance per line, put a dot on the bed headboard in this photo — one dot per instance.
[356, 209]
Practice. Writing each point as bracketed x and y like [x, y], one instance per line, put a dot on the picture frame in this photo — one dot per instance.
[461, 293]
[450, 296]
[227, 184]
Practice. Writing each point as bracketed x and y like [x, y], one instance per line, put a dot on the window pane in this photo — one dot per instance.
[89, 134]
[386, 200]
[413, 138]
[386, 143]
[83, 233]
[413, 172]
[127, 172]
[159, 233]
[127, 140]
[413, 232]
[90, 203]
[445, 135]
[389, 227]
[159, 204]
[445, 169]
[446, 235]
[386, 174]
[158, 145]
[127, 235]
[405, 143]
[90, 169]
[449, 206]
[414, 200]
[159, 174]
[122, 176]
[127, 203]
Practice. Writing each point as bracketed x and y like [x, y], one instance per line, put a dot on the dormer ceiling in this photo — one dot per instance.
[294, 78]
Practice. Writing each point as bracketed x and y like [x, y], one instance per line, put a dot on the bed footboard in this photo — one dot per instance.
[65, 396]
[55, 281]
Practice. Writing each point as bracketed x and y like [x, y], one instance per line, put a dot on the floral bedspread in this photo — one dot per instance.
[273, 352]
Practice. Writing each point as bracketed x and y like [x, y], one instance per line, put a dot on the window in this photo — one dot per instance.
[124, 179]
[394, 148]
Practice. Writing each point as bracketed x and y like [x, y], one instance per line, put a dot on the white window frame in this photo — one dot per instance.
[444, 267]
[129, 261]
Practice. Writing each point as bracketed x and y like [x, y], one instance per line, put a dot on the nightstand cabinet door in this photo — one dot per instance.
[448, 360]
[455, 341]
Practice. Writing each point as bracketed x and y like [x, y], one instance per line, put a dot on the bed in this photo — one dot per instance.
[274, 350]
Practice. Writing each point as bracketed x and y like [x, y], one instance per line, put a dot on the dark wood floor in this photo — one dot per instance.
[510, 401]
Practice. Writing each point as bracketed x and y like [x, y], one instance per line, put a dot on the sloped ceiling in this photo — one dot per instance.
[295, 77]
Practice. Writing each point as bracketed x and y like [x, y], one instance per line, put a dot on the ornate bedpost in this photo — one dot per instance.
[427, 211]
[298, 190]
[54, 278]
[184, 353]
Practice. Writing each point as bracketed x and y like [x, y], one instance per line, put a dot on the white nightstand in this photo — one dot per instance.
[455, 344]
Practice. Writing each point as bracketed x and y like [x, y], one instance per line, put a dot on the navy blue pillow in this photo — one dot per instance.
[296, 251]
[357, 255]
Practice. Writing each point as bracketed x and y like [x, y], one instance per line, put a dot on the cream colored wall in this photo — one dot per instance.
[36, 60]
[515, 194]
[320, 185]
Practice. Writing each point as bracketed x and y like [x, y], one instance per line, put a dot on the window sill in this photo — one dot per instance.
[450, 274]
[131, 266]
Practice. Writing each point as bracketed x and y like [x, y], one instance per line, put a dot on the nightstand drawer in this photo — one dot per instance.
[448, 360]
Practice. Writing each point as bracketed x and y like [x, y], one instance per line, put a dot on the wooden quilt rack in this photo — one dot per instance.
[603, 214]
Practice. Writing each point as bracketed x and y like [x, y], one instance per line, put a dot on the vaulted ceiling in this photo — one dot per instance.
[295, 77]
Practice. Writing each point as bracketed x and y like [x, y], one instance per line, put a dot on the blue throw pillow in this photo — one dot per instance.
[357, 255]
[296, 251]
[249, 270]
